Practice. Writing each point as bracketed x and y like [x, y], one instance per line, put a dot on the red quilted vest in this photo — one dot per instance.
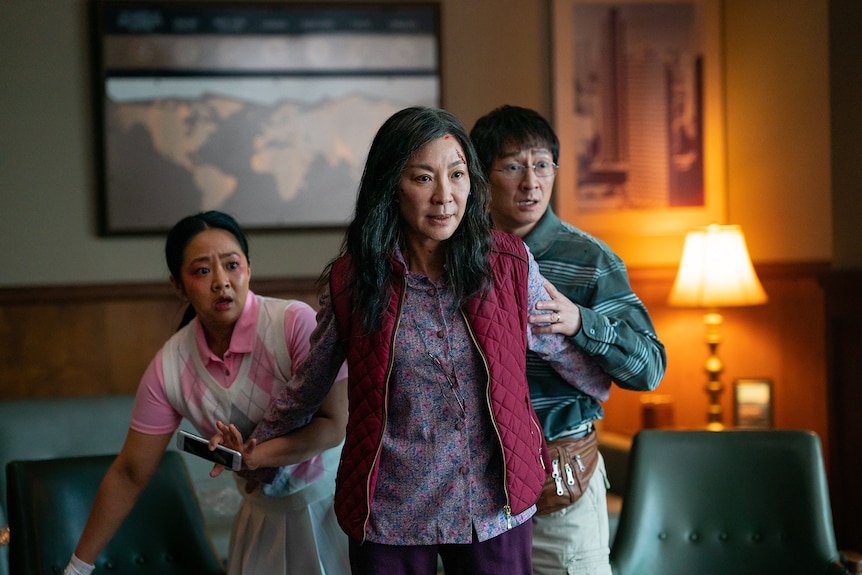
[498, 323]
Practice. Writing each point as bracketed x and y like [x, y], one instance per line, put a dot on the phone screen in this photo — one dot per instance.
[198, 446]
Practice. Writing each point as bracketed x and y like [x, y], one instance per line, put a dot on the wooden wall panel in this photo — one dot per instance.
[94, 340]
[844, 341]
[85, 340]
[783, 340]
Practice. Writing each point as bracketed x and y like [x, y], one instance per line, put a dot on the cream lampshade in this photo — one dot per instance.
[715, 271]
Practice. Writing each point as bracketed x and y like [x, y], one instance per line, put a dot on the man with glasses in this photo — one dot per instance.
[592, 302]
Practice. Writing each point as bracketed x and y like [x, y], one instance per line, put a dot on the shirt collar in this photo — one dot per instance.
[242, 338]
[541, 237]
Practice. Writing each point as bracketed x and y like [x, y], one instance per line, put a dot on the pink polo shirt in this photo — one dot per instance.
[153, 414]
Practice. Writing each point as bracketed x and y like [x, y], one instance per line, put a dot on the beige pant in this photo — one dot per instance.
[574, 540]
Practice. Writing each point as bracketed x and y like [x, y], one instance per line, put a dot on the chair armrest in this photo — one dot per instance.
[615, 449]
[851, 560]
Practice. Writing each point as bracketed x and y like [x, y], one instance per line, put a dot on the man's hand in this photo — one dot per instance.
[564, 316]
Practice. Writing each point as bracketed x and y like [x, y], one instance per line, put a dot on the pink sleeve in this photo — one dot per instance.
[299, 321]
[152, 413]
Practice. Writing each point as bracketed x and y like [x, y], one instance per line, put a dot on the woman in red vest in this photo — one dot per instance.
[430, 307]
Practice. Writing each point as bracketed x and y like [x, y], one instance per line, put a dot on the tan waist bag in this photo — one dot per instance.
[573, 462]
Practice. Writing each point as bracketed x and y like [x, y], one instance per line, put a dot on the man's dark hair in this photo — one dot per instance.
[512, 126]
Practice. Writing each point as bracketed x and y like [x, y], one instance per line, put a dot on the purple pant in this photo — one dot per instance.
[507, 553]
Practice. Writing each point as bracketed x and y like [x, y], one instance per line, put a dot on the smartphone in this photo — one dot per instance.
[199, 446]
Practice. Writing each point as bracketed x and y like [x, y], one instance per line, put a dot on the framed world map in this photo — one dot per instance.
[262, 110]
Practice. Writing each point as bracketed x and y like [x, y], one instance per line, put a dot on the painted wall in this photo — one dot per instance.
[494, 52]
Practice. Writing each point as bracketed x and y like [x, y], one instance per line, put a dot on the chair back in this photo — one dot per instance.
[725, 503]
[49, 501]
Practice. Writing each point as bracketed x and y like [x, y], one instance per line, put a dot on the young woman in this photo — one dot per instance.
[443, 454]
[233, 355]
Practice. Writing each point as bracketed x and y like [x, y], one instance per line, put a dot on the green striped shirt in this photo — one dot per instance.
[616, 329]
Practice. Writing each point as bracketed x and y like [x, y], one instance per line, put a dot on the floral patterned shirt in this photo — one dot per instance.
[440, 471]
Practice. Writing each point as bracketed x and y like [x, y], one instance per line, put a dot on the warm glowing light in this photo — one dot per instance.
[716, 270]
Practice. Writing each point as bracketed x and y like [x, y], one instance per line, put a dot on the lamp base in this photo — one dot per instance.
[713, 368]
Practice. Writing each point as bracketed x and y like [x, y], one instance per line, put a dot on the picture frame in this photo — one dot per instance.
[264, 110]
[639, 109]
[752, 403]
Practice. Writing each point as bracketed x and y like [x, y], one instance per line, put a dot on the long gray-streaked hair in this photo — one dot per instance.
[377, 227]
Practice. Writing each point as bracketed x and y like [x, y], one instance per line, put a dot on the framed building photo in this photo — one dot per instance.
[265, 110]
[752, 403]
[638, 106]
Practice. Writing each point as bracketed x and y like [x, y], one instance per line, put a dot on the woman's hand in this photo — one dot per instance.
[78, 567]
[229, 436]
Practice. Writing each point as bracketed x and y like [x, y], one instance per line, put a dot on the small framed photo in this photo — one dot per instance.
[752, 403]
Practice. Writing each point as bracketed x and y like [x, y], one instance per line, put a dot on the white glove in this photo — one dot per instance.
[78, 567]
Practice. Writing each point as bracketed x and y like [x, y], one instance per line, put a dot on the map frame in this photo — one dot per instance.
[181, 89]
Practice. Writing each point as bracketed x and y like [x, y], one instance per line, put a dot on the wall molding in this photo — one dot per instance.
[162, 290]
[133, 291]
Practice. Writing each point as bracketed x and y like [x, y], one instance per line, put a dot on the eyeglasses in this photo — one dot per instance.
[453, 384]
[516, 171]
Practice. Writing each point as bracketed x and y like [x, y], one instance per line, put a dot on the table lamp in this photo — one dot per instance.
[715, 271]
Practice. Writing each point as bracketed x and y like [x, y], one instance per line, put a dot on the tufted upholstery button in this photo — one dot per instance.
[756, 537]
[694, 536]
[722, 536]
[109, 564]
[169, 558]
[139, 559]
[662, 536]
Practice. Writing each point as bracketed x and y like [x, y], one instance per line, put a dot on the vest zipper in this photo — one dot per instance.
[540, 436]
[385, 410]
[507, 508]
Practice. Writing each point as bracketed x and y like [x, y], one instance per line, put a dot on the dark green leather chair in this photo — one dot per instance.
[726, 503]
[49, 500]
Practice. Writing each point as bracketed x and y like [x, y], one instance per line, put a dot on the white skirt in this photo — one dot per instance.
[292, 535]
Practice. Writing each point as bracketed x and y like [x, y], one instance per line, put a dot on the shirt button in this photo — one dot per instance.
[459, 426]
[440, 333]
[432, 291]
[463, 470]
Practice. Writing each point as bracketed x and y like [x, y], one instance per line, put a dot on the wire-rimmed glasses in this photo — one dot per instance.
[453, 384]
[516, 171]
